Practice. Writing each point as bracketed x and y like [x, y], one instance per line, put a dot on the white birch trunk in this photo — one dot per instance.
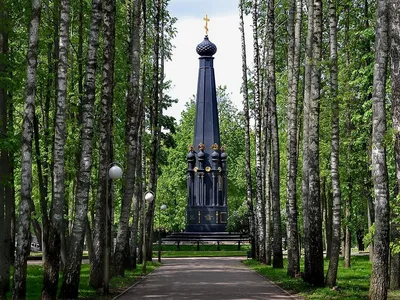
[336, 226]
[23, 234]
[394, 38]
[380, 278]
[294, 31]
[260, 213]
[245, 91]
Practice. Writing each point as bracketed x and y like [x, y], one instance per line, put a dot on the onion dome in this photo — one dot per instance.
[206, 48]
[224, 155]
[215, 155]
[190, 155]
[201, 155]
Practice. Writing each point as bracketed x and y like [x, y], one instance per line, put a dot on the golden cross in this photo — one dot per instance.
[206, 27]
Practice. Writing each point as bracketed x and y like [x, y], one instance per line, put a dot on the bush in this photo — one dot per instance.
[238, 221]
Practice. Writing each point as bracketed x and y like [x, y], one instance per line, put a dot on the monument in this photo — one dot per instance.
[207, 209]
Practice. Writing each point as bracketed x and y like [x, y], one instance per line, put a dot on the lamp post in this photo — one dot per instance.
[163, 208]
[114, 171]
[148, 197]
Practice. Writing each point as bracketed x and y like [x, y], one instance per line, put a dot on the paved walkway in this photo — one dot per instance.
[205, 278]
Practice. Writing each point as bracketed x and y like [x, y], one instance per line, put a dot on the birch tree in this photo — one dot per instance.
[260, 211]
[294, 33]
[56, 225]
[314, 263]
[266, 149]
[105, 148]
[336, 226]
[380, 278]
[70, 286]
[23, 235]
[394, 39]
[154, 125]
[134, 105]
[275, 174]
[85, 159]
[348, 200]
[245, 92]
[306, 108]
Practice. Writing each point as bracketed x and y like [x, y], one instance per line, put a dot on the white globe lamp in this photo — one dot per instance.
[115, 172]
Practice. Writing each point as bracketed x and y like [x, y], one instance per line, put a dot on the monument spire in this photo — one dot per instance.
[207, 209]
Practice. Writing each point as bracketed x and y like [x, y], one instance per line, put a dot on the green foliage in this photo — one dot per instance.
[395, 247]
[352, 283]
[368, 238]
[238, 221]
[395, 221]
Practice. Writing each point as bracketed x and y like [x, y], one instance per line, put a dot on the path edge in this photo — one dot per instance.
[135, 283]
[295, 296]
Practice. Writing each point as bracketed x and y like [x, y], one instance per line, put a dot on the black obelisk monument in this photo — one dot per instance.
[207, 209]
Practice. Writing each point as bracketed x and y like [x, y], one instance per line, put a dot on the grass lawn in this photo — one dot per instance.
[34, 282]
[353, 283]
[119, 284]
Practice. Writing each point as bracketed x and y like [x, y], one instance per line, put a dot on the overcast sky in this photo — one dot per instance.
[223, 32]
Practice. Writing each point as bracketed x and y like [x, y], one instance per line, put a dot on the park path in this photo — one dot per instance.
[205, 278]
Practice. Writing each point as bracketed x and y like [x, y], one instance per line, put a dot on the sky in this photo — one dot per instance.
[223, 31]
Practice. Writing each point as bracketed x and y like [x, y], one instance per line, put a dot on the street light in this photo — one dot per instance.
[114, 171]
[163, 208]
[148, 197]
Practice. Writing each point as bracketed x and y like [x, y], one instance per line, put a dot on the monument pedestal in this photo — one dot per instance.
[206, 218]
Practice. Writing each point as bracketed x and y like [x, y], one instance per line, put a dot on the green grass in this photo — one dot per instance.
[117, 284]
[34, 282]
[393, 295]
[353, 283]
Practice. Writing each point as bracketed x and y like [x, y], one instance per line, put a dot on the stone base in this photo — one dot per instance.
[206, 218]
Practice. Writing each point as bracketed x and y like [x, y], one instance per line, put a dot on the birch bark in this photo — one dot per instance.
[394, 39]
[314, 263]
[277, 260]
[135, 106]
[260, 211]
[56, 224]
[85, 161]
[245, 92]
[22, 234]
[306, 109]
[294, 32]
[380, 277]
[336, 224]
